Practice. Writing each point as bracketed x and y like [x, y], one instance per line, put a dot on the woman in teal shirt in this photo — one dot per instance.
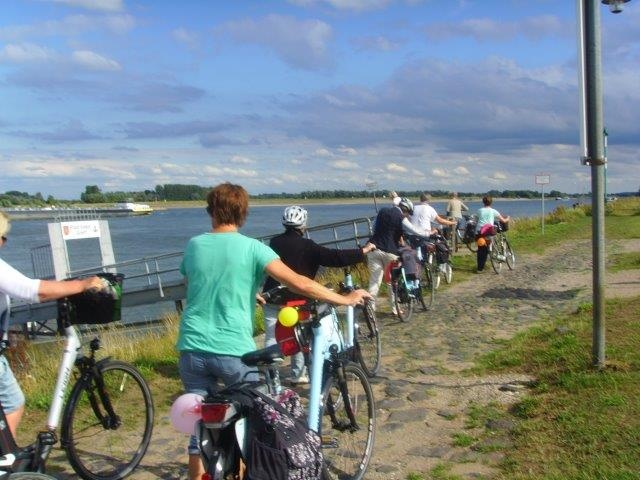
[224, 270]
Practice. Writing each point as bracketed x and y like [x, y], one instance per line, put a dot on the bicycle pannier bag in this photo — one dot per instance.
[442, 253]
[470, 231]
[98, 307]
[410, 263]
[282, 446]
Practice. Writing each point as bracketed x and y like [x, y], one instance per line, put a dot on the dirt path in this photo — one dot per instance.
[421, 399]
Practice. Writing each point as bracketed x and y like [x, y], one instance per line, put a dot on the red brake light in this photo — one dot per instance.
[213, 412]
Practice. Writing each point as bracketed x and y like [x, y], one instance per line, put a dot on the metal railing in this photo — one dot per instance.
[157, 278]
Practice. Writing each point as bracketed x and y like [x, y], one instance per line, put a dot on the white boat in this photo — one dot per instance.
[135, 208]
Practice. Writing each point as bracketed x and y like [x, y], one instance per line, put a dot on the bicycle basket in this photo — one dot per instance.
[503, 226]
[97, 307]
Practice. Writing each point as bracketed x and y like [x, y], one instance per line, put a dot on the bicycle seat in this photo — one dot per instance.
[263, 357]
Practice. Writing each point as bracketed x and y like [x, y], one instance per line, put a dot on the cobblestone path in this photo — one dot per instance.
[421, 396]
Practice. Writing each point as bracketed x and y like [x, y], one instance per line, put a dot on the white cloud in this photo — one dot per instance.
[461, 171]
[347, 151]
[344, 165]
[300, 43]
[102, 5]
[186, 37]
[323, 152]
[499, 176]
[69, 26]
[394, 167]
[27, 53]
[94, 61]
[241, 159]
[439, 172]
[355, 5]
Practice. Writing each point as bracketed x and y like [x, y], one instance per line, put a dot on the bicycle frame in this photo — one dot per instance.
[33, 457]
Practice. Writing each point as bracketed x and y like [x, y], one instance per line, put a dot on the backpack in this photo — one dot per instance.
[282, 447]
[442, 253]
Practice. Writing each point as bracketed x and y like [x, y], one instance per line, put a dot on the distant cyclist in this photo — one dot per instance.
[15, 284]
[455, 207]
[486, 218]
[390, 224]
[303, 256]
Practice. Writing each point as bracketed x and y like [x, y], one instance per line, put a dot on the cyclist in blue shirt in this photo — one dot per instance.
[486, 218]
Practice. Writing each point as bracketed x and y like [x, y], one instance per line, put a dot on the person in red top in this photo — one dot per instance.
[303, 256]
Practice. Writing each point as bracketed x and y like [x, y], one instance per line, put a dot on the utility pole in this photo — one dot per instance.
[589, 47]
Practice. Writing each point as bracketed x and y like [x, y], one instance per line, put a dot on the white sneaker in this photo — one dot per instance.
[302, 379]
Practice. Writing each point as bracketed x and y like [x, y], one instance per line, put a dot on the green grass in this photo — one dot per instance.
[578, 422]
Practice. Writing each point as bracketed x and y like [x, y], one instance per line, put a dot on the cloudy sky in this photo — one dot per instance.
[290, 95]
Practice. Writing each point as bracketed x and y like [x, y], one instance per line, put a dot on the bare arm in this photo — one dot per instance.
[309, 288]
[504, 219]
[52, 290]
[444, 221]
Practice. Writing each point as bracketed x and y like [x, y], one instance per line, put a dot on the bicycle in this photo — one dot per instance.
[500, 250]
[468, 235]
[406, 289]
[363, 335]
[108, 417]
[340, 407]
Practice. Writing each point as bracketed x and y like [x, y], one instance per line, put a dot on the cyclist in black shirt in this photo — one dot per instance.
[303, 256]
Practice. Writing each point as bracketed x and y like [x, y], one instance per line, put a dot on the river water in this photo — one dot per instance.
[167, 231]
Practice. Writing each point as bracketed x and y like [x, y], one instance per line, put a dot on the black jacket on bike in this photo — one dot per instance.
[304, 256]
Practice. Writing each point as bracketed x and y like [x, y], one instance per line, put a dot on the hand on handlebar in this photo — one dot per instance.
[95, 283]
[369, 247]
[358, 297]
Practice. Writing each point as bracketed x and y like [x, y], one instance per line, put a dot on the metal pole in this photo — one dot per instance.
[606, 138]
[589, 28]
[543, 209]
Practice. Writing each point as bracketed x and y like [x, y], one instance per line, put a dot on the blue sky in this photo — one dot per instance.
[307, 94]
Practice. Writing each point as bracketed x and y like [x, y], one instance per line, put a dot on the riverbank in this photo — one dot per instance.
[439, 416]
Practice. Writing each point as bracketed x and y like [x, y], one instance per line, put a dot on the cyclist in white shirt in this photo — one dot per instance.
[424, 215]
[14, 284]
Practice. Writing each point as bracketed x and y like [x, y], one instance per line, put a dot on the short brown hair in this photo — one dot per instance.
[487, 200]
[228, 204]
[425, 197]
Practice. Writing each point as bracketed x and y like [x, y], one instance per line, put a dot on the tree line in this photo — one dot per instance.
[180, 192]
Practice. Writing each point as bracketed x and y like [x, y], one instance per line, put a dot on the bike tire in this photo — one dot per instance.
[368, 344]
[509, 254]
[403, 302]
[448, 273]
[96, 449]
[348, 424]
[472, 245]
[494, 252]
[427, 290]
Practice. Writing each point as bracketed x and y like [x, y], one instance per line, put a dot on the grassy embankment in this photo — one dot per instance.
[575, 423]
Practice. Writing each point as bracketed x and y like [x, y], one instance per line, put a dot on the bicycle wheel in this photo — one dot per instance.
[427, 289]
[510, 256]
[403, 301]
[447, 272]
[100, 446]
[348, 424]
[436, 275]
[495, 254]
[368, 341]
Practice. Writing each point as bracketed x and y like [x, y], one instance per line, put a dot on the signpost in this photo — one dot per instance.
[543, 179]
[372, 185]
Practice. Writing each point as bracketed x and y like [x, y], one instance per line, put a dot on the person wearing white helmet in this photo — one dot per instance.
[391, 222]
[303, 256]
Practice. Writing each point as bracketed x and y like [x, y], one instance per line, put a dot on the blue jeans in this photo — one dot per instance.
[200, 373]
[270, 319]
[11, 395]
